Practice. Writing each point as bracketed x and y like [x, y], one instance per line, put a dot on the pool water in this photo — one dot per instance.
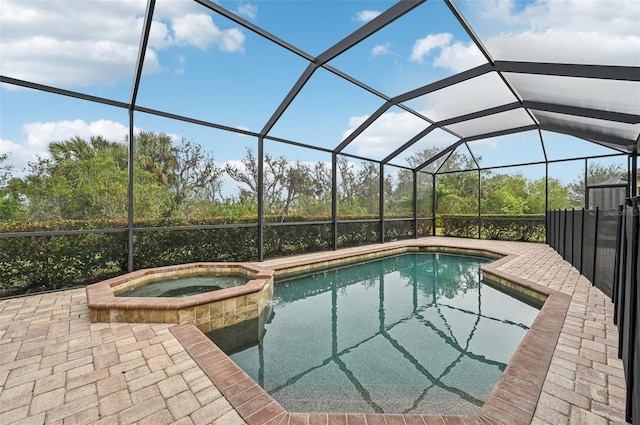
[413, 333]
[184, 286]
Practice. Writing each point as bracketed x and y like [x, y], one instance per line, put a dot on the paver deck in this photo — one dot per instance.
[57, 367]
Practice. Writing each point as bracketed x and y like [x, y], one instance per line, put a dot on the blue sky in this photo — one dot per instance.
[202, 65]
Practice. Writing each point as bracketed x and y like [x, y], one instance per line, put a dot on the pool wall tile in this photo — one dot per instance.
[353, 419]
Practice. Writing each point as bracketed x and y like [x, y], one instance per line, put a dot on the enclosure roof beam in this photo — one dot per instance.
[501, 133]
[479, 114]
[439, 124]
[379, 22]
[583, 112]
[445, 82]
[62, 92]
[362, 127]
[142, 49]
[610, 141]
[439, 155]
[252, 27]
[604, 72]
[306, 74]
[410, 143]
[376, 24]
[470, 32]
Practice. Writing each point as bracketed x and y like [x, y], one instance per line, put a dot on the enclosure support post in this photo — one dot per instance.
[260, 198]
[546, 201]
[381, 199]
[415, 204]
[595, 247]
[582, 240]
[334, 199]
[434, 200]
[144, 39]
[130, 196]
[479, 204]
[586, 185]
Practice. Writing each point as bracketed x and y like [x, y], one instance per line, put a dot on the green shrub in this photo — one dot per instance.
[40, 263]
[525, 228]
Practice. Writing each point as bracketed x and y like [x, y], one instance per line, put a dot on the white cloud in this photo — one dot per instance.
[568, 47]
[200, 31]
[579, 31]
[39, 135]
[366, 15]
[382, 49]
[248, 10]
[569, 31]
[453, 55]
[390, 129]
[459, 57]
[82, 43]
[423, 46]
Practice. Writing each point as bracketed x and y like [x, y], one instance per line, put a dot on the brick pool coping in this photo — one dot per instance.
[513, 400]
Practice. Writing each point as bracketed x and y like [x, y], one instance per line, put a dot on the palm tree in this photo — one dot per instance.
[155, 153]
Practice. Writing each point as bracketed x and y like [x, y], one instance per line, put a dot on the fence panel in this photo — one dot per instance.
[589, 244]
[577, 239]
[568, 236]
[606, 251]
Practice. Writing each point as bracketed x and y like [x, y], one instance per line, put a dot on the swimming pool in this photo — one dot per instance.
[413, 333]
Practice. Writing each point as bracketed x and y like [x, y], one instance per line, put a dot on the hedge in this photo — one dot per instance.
[525, 228]
[40, 263]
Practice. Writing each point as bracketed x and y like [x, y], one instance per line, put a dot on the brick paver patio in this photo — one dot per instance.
[58, 368]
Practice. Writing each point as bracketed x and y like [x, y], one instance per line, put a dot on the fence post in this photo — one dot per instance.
[564, 236]
[618, 256]
[557, 233]
[573, 222]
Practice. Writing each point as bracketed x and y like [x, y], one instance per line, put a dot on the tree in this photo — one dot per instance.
[317, 201]
[504, 194]
[558, 195]
[596, 173]
[155, 153]
[283, 184]
[398, 195]
[246, 174]
[197, 179]
[87, 179]
[358, 187]
[9, 201]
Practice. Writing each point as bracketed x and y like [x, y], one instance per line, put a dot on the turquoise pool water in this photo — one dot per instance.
[413, 333]
[184, 286]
